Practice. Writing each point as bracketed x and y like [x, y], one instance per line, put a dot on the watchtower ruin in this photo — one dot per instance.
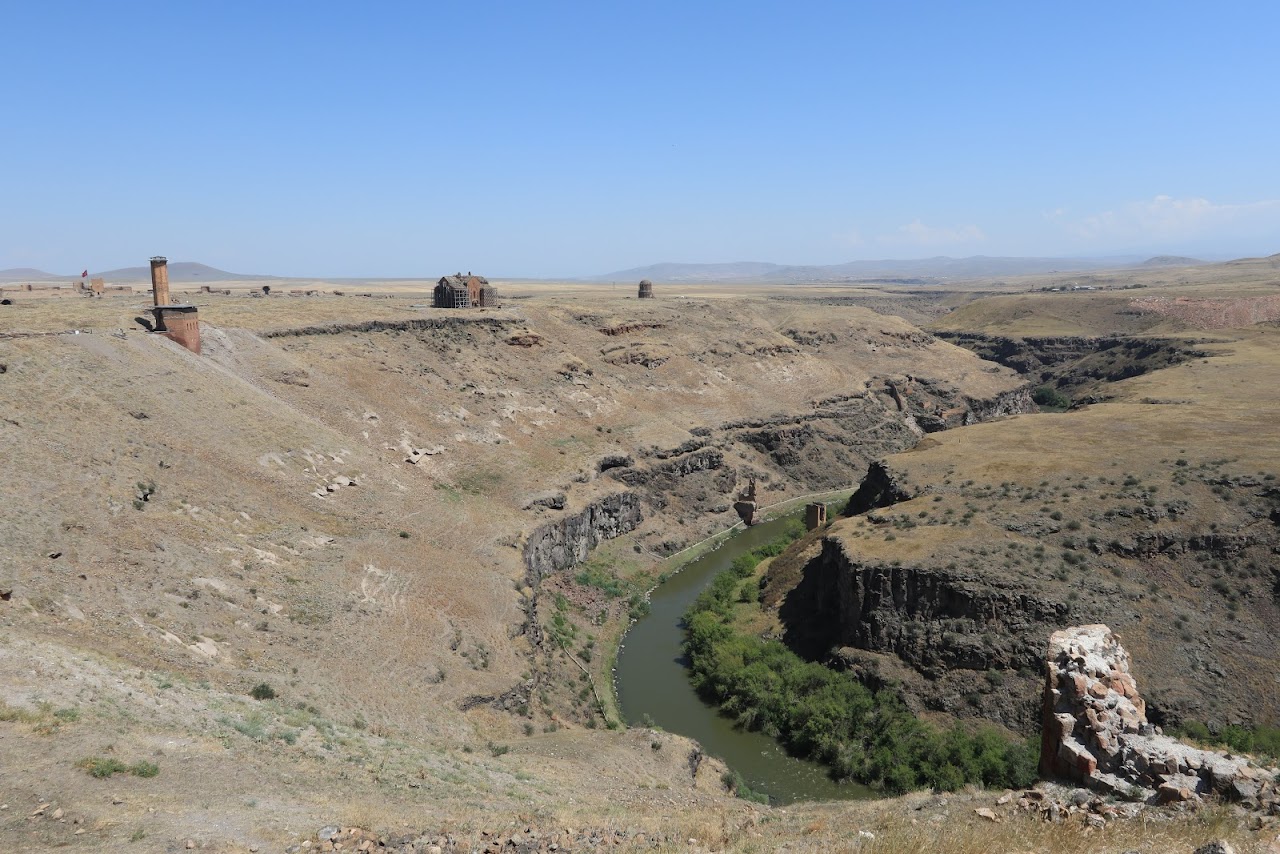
[646, 289]
[746, 505]
[180, 323]
[815, 515]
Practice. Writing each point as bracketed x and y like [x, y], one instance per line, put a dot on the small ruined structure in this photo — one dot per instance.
[646, 289]
[464, 291]
[178, 322]
[746, 505]
[1096, 733]
[97, 285]
[815, 515]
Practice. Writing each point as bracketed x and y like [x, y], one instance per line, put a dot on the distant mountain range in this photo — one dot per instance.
[940, 267]
[906, 271]
[180, 272]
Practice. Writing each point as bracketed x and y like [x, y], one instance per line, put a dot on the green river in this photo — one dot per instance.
[652, 680]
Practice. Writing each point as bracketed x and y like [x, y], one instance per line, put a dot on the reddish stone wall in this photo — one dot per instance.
[180, 324]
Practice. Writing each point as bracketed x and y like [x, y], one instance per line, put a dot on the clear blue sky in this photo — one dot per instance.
[547, 139]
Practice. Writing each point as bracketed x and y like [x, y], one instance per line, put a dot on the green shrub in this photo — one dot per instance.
[820, 713]
[1262, 741]
[1050, 398]
[102, 767]
[733, 781]
[262, 691]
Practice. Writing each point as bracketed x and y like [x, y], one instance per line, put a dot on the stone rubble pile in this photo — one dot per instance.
[1096, 734]
[513, 840]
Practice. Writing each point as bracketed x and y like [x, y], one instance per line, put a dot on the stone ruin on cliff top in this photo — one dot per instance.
[1096, 734]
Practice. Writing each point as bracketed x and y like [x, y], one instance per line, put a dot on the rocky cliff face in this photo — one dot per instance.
[878, 489]
[1078, 365]
[561, 544]
[949, 627]
[1096, 733]
[1016, 402]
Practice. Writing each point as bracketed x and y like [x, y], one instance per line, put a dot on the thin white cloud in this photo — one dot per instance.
[852, 237]
[1167, 218]
[916, 233]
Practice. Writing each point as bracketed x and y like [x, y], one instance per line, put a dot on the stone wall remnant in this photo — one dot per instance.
[746, 505]
[1096, 733]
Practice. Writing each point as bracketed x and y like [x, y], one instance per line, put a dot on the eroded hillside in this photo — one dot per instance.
[340, 507]
[1157, 513]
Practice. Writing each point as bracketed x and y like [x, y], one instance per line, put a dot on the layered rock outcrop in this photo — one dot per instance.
[567, 542]
[933, 631]
[1096, 733]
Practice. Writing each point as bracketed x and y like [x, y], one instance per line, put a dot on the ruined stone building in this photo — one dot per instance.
[646, 289]
[176, 321]
[464, 291]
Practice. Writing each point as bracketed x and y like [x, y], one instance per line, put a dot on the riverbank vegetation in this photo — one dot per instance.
[826, 715]
[1261, 740]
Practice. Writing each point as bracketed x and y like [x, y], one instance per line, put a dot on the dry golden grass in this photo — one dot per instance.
[381, 637]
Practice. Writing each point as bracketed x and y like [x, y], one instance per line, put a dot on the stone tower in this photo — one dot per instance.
[160, 280]
[646, 289]
[180, 323]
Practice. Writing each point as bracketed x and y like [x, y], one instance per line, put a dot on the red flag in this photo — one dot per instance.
[85, 273]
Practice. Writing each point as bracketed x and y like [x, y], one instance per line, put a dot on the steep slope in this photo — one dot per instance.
[1158, 513]
[342, 511]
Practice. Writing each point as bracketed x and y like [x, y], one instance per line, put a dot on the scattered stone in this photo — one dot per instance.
[987, 813]
[1218, 846]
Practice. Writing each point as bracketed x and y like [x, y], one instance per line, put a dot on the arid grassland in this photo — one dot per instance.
[364, 563]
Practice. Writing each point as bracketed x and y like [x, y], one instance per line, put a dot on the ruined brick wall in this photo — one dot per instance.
[180, 323]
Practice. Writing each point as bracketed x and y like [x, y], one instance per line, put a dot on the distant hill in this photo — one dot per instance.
[1172, 261]
[180, 272]
[940, 267]
[734, 271]
[26, 274]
